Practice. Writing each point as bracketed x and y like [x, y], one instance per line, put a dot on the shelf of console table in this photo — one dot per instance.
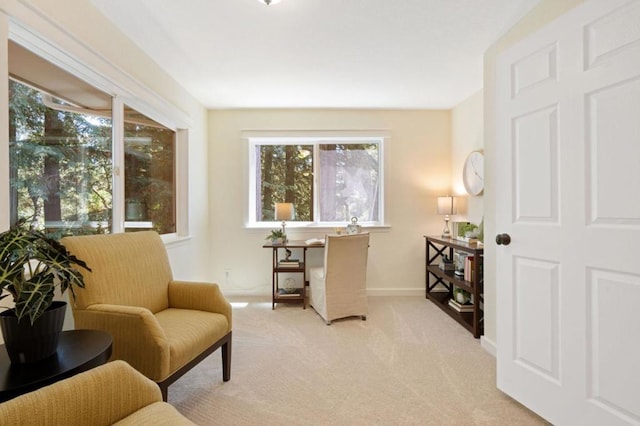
[439, 284]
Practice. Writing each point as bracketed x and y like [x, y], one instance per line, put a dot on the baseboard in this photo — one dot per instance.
[488, 345]
[236, 293]
[370, 292]
[395, 292]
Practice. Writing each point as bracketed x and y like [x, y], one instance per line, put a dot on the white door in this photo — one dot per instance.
[568, 195]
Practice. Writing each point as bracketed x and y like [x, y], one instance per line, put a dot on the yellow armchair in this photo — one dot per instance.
[114, 393]
[160, 326]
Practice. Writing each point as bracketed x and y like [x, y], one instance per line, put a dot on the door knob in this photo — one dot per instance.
[503, 239]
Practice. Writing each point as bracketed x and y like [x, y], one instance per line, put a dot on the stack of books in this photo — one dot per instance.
[289, 263]
[469, 265]
[459, 307]
[470, 240]
[289, 292]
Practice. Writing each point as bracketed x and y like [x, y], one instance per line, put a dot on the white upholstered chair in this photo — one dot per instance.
[339, 288]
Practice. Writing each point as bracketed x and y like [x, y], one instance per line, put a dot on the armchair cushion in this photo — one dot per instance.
[114, 392]
[189, 333]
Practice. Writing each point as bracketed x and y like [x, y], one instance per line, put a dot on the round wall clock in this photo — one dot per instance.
[473, 173]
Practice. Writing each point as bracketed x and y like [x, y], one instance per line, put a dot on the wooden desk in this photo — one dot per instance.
[78, 351]
[277, 269]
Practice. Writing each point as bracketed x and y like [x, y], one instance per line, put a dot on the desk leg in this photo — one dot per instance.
[273, 278]
[305, 283]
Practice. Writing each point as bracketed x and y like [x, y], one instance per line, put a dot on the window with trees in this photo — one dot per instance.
[60, 163]
[149, 149]
[328, 180]
[61, 155]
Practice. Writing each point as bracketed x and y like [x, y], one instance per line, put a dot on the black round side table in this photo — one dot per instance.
[78, 351]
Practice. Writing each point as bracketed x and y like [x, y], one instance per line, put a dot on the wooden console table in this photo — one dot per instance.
[440, 296]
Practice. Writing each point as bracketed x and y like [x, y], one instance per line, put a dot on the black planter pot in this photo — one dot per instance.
[26, 343]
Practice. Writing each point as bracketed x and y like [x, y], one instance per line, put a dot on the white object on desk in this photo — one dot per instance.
[313, 241]
[353, 227]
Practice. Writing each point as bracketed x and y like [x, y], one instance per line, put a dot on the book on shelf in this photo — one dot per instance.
[289, 292]
[469, 264]
[289, 264]
[460, 307]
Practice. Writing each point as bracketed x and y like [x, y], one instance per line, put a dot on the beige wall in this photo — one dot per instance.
[417, 170]
[542, 14]
[467, 134]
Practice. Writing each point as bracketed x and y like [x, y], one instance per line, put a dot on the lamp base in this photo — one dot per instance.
[445, 232]
[284, 234]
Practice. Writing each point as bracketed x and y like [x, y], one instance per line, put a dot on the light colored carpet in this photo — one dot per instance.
[408, 364]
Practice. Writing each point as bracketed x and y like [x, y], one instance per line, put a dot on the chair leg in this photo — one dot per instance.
[164, 389]
[226, 360]
[364, 318]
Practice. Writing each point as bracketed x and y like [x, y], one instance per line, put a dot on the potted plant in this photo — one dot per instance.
[277, 236]
[32, 265]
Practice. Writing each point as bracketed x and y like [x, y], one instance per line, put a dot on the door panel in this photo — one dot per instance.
[612, 34]
[613, 125]
[534, 70]
[536, 296]
[611, 297]
[567, 185]
[535, 162]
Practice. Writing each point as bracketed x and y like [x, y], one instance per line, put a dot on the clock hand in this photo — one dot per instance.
[473, 166]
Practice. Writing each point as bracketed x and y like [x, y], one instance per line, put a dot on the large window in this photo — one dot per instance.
[60, 164]
[66, 175]
[328, 180]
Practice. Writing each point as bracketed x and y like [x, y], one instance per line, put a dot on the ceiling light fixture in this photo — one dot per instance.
[268, 2]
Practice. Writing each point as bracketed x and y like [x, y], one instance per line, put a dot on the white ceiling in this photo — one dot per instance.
[319, 53]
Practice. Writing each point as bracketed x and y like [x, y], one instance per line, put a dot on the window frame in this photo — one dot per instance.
[255, 139]
[123, 90]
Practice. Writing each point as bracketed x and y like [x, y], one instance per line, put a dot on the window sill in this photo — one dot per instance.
[314, 228]
[174, 240]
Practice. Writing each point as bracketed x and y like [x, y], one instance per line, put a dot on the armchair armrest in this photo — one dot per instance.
[137, 336]
[100, 396]
[199, 296]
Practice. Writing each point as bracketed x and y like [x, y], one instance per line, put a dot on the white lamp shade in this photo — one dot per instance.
[447, 205]
[284, 211]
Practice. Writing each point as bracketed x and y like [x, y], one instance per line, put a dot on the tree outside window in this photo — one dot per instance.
[149, 174]
[347, 179]
[60, 164]
[61, 167]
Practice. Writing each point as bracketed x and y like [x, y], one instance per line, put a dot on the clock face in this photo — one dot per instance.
[473, 173]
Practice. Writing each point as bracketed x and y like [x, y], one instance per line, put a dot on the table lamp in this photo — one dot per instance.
[284, 212]
[446, 207]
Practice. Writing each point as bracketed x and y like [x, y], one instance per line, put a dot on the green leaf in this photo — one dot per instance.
[48, 264]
